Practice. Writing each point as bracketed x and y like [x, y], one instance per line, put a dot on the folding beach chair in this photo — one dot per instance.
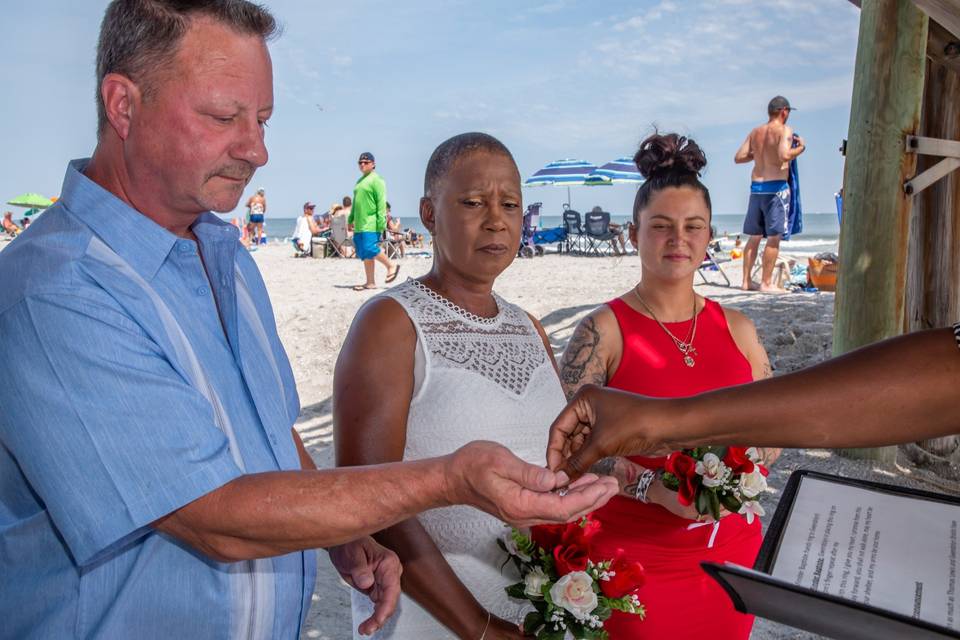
[390, 245]
[597, 228]
[340, 242]
[711, 262]
[576, 238]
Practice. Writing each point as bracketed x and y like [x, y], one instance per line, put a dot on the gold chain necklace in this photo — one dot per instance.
[685, 346]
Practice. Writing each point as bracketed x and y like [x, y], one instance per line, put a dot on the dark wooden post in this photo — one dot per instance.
[933, 275]
[887, 94]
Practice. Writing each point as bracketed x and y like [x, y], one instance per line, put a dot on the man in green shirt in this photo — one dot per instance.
[368, 220]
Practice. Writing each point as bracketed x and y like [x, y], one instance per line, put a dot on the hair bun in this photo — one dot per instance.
[669, 153]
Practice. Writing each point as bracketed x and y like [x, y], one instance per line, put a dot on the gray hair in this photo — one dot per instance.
[446, 155]
[140, 37]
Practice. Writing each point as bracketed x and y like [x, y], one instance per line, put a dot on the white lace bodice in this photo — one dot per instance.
[475, 379]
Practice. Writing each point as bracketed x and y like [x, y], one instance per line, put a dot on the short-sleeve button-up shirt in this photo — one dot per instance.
[103, 429]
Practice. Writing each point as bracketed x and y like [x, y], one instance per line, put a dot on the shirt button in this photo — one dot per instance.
[201, 291]
[185, 246]
[225, 281]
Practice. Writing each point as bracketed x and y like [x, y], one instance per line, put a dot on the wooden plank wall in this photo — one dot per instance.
[933, 267]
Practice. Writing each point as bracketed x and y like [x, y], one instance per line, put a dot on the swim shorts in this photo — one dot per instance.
[769, 208]
[367, 244]
[256, 218]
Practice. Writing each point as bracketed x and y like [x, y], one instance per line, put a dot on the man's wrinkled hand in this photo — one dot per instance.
[374, 570]
[487, 476]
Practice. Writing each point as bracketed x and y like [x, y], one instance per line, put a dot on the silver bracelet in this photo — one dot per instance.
[643, 484]
[487, 626]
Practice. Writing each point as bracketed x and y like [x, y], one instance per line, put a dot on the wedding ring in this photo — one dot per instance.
[562, 491]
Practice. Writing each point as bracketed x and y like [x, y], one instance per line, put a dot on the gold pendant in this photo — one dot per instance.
[687, 360]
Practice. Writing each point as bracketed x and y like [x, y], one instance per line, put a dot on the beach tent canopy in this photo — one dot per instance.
[621, 170]
[31, 201]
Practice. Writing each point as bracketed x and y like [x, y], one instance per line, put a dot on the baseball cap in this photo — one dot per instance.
[366, 155]
[779, 103]
[309, 205]
[260, 190]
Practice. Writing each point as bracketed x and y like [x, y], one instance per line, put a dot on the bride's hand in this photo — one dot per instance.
[659, 494]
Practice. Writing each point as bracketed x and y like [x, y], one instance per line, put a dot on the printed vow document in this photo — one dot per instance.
[891, 551]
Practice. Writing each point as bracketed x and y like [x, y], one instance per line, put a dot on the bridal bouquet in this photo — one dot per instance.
[714, 477]
[572, 591]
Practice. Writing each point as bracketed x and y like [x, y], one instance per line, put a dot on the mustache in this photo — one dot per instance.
[237, 171]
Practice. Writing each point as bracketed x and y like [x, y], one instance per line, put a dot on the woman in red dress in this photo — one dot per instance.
[661, 339]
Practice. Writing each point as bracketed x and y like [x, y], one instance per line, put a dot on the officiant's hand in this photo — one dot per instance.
[599, 422]
[487, 476]
[373, 570]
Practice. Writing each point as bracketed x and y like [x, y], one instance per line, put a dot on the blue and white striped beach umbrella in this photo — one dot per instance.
[621, 170]
[562, 173]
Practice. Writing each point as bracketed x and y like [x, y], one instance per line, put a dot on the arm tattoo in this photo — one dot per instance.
[581, 363]
[605, 467]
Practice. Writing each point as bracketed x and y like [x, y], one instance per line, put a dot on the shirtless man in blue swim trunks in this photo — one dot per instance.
[256, 209]
[770, 148]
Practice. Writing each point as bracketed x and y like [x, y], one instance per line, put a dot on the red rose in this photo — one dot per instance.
[547, 536]
[628, 576]
[737, 459]
[763, 470]
[580, 533]
[570, 558]
[685, 469]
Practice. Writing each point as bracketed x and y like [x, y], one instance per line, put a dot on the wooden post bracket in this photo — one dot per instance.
[949, 150]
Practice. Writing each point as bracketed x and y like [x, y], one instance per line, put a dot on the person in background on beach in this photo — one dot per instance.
[9, 225]
[347, 203]
[862, 401]
[303, 233]
[617, 230]
[395, 233]
[153, 484]
[256, 209]
[661, 339]
[322, 220]
[770, 148]
[368, 220]
[463, 363]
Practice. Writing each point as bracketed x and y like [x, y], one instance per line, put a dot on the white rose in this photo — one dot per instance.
[751, 508]
[754, 455]
[752, 484]
[711, 468]
[574, 592]
[534, 581]
[511, 546]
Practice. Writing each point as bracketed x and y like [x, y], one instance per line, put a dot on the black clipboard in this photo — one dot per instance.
[756, 592]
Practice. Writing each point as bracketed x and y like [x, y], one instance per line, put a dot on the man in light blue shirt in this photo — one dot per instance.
[151, 484]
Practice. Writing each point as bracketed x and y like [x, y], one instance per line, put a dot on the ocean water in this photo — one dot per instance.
[821, 231]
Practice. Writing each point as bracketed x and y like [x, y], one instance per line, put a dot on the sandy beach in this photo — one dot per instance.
[314, 306]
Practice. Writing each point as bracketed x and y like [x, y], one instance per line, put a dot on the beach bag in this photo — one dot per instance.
[822, 274]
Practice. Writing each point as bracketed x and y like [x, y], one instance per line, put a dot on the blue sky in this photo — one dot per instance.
[552, 79]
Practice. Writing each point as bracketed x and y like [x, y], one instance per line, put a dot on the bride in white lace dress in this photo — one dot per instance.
[435, 363]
